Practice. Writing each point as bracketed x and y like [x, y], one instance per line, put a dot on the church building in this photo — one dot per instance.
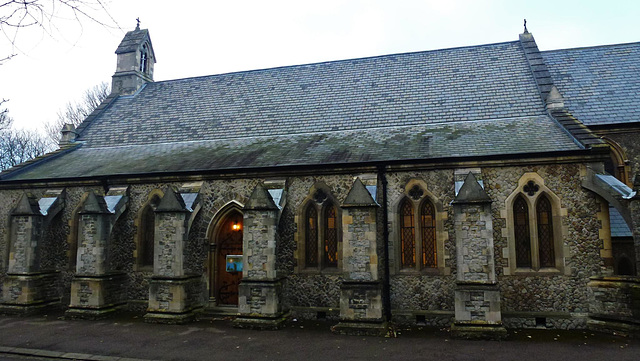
[479, 188]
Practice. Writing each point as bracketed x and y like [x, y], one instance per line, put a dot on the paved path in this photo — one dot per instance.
[126, 338]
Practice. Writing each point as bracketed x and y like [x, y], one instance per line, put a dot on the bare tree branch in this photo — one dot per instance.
[17, 146]
[76, 112]
[15, 15]
[5, 119]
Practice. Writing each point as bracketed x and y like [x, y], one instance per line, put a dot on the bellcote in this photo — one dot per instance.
[135, 62]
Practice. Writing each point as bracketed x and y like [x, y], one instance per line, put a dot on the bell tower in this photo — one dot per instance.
[135, 62]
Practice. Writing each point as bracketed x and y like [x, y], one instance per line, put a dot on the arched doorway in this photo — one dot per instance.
[226, 271]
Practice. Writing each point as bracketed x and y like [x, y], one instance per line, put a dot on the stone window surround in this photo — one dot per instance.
[620, 161]
[441, 234]
[559, 230]
[301, 230]
[213, 230]
[153, 199]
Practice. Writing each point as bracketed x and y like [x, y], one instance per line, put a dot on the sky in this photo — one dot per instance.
[56, 64]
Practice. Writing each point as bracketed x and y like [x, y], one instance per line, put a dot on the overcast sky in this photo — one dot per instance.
[195, 38]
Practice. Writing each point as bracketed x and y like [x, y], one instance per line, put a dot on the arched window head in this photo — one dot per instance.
[407, 235]
[311, 237]
[617, 164]
[522, 234]
[428, 234]
[545, 232]
[330, 236]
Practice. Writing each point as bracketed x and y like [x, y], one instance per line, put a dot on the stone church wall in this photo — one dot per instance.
[426, 295]
[559, 295]
[565, 292]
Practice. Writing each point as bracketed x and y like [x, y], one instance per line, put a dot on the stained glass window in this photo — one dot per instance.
[522, 235]
[428, 232]
[311, 237]
[545, 232]
[330, 237]
[407, 235]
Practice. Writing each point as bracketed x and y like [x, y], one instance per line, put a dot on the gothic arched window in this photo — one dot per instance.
[330, 236]
[545, 232]
[311, 237]
[428, 232]
[407, 235]
[147, 237]
[522, 234]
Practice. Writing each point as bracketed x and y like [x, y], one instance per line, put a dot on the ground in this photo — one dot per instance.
[127, 336]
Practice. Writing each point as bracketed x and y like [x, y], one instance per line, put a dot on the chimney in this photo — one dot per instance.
[68, 135]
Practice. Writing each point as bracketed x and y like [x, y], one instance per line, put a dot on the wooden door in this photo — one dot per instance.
[228, 243]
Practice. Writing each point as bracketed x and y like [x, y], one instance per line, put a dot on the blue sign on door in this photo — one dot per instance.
[234, 263]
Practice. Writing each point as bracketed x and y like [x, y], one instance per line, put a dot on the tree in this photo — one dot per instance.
[76, 112]
[19, 145]
[16, 15]
[5, 120]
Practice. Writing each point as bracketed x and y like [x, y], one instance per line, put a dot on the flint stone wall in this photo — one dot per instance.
[309, 288]
[416, 291]
[549, 292]
[427, 290]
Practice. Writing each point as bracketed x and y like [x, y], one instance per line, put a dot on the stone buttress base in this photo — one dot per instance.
[480, 331]
[94, 297]
[361, 310]
[29, 293]
[621, 327]
[616, 305]
[259, 305]
[477, 312]
[173, 300]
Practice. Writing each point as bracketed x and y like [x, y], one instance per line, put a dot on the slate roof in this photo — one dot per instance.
[131, 40]
[619, 227]
[471, 101]
[473, 83]
[601, 85]
[461, 139]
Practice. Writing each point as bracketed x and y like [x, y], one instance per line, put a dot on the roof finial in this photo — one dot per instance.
[138, 23]
[525, 26]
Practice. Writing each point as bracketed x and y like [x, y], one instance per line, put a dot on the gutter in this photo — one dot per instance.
[579, 155]
[386, 287]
